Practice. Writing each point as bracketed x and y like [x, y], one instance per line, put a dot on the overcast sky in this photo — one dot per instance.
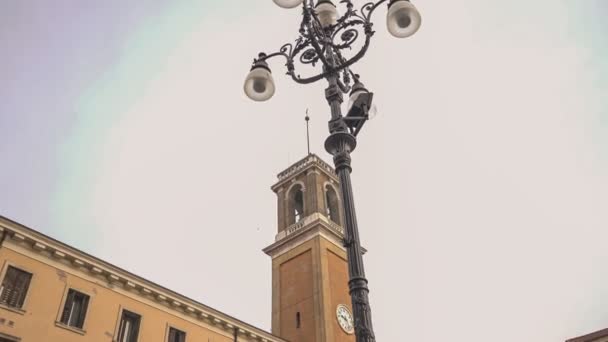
[481, 187]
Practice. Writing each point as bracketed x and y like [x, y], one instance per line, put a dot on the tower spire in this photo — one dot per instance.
[307, 118]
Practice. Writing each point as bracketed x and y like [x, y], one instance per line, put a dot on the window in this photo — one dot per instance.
[14, 287]
[75, 309]
[176, 335]
[129, 327]
[298, 321]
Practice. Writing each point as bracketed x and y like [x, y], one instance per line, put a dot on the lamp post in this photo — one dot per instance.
[326, 38]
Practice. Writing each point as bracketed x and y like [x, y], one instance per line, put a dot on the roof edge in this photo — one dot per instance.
[590, 337]
[309, 161]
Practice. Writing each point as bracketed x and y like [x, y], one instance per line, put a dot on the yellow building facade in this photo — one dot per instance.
[598, 336]
[51, 292]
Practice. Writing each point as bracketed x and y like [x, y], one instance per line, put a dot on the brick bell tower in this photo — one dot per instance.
[310, 299]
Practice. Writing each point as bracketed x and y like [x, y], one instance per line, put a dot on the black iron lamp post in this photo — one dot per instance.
[328, 39]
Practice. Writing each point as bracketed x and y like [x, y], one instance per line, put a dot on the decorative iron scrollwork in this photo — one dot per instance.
[309, 56]
[326, 44]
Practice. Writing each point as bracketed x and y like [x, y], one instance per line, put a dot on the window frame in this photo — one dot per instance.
[168, 332]
[121, 310]
[62, 308]
[10, 337]
[23, 309]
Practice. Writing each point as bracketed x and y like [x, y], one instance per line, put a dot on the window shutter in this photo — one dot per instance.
[133, 337]
[65, 316]
[83, 311]
[122, 331]
[129, 326]
[8, 285]
[22, 285]
[14, 287]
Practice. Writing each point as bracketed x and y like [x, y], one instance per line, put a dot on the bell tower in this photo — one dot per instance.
[310, 299]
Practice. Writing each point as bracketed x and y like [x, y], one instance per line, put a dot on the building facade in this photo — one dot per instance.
[598, 336]
[51, 292]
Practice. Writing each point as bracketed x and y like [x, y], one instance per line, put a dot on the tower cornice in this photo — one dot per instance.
[310, 162]
[300, 232]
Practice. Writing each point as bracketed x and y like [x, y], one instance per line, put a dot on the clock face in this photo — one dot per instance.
[345, 319]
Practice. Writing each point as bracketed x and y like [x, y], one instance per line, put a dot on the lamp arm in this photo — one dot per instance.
[311, 35]
[308, 80]
[370, 7]
[287, 52]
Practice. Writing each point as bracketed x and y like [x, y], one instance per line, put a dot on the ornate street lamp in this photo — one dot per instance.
[327, 38]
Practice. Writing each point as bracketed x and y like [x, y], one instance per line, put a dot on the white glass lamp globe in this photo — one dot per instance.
[327, 13]
[288, 3]
[403, 19]
[259, 85]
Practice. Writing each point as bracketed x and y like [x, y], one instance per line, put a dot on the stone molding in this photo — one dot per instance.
[311, 220]
[79, 261]
[302, 231]
[311, 161]
[292, 185]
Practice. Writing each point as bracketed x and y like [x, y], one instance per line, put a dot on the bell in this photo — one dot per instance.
[403, 19]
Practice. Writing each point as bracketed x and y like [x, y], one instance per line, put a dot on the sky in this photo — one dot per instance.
[481, 186]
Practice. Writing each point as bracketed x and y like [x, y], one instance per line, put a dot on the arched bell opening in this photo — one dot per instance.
[332, 204]
[295, 204]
